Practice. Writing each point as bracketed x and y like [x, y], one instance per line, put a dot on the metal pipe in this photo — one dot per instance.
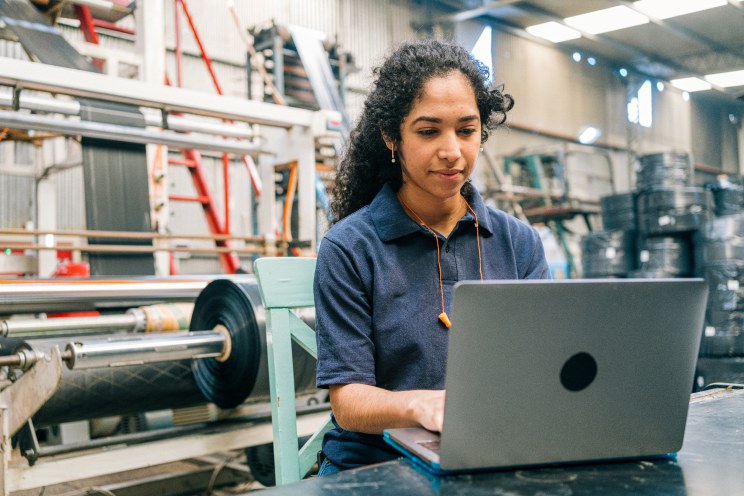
[41, 104]
[105, 5]
[118, 351]
[106, 248]
[154, 119]
[133, 321]
[91, 295]
[129, 235]
[166, 317]
[23, 359]
[178, 123]
[43, 77]
[127, 134]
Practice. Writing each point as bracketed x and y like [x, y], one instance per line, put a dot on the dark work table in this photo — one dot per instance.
[711, 462]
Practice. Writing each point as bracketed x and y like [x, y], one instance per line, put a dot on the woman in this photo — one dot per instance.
[409, 226]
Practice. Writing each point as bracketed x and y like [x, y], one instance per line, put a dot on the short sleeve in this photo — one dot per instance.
[343, 319]
[537, 265]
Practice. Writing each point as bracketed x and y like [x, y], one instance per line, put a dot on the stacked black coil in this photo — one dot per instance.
[664, 256]
[723, 268]
[664, 170]
[619, 212]
[608, 253]
[728, 195]
[663, 211]
[683, 231]
[662, 216]
[671, 213]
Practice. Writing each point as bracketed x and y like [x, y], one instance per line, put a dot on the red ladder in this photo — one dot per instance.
[193, 162]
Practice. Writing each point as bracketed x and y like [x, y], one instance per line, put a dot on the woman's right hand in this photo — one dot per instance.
[371, 410]
[427, 408]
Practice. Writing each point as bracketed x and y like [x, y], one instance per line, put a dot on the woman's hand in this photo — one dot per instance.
[369, 409]
[427, 408]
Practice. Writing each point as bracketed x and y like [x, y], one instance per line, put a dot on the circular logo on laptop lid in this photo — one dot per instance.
[578, 372]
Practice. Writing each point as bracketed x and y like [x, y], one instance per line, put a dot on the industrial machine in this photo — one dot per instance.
[138, 362]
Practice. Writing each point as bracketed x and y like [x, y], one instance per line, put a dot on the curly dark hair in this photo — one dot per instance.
[365, 166]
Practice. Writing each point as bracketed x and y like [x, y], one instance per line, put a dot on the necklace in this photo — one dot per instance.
[443, 318]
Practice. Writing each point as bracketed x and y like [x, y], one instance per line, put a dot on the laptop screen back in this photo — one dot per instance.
[555, 371]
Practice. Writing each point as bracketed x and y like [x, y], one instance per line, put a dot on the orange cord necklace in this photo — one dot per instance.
[443, 316]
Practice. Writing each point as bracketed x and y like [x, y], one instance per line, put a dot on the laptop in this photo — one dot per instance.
[556, 372]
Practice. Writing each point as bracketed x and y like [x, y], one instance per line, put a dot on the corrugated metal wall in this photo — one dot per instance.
[16, 190]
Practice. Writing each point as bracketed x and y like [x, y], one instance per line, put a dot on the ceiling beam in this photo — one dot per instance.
[642, 58]
[688, 34]
[466, 15]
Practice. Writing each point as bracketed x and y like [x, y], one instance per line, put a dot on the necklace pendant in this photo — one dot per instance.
[445, 320]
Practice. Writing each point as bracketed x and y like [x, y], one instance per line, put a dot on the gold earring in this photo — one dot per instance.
[392, 154]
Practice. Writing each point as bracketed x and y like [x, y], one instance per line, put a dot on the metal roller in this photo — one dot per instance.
[153, 318]
[40, 297]
[67, 325]
[131, 349]
[105, 392]
[226, 306]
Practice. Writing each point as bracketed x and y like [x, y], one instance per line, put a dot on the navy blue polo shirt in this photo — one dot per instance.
[377, 300]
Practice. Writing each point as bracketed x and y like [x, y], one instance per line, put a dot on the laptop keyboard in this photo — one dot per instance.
[432, 445]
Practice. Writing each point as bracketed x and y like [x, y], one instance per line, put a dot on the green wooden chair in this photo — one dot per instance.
[287, 283]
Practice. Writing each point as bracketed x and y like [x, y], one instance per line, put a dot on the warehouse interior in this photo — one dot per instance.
[153, 152]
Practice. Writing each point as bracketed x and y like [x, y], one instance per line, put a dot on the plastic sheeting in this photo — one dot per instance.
[116, 190]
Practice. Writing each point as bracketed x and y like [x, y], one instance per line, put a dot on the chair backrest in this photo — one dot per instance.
[284, 284]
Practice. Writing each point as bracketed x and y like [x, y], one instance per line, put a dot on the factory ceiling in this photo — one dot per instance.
[660, 45]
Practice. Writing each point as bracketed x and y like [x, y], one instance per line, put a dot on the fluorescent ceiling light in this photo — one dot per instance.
[726, 79]
[602, 21]
[691, 84]
[553, 31]
[589, 135]
[664, 9]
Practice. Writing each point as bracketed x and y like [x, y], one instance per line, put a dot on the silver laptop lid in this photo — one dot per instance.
[554, 371]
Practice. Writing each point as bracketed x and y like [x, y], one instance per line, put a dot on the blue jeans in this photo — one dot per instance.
[327, 468]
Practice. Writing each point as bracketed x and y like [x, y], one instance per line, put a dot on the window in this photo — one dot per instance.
[640, 108]
[482, 50]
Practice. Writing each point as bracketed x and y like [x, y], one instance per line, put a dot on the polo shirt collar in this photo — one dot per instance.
[391, 221]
